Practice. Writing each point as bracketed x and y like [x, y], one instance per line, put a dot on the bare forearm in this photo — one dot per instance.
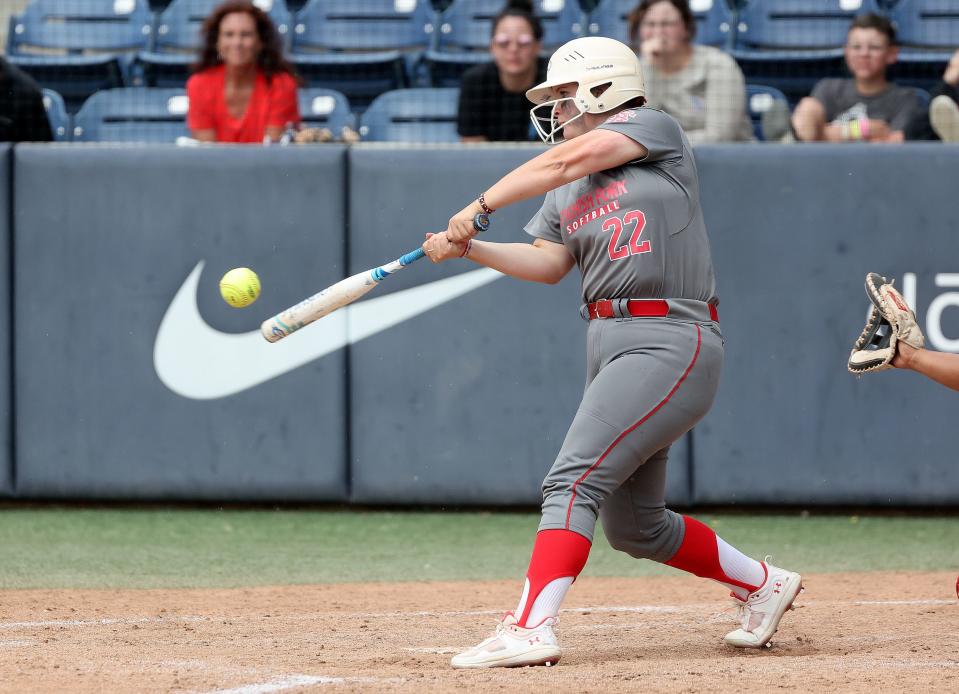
[941, 367]
[522, 260]
[833, 133]
[809, 120]
[597, 150]
[532, 179]
[204, 135]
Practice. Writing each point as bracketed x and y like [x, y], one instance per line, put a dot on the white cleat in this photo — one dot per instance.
[762, 610]
[513, 646]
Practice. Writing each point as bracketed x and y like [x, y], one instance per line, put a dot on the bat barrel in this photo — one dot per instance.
[342, 293]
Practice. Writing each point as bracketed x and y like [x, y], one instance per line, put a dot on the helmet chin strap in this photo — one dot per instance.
[555, 126]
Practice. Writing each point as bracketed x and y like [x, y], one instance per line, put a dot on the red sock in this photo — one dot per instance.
[699, 555]
[556, 554]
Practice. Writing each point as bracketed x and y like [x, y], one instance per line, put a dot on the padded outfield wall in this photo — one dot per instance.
[6, 391]
[449, 385]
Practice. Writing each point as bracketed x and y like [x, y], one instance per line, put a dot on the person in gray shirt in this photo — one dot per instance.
[867, 107]
[700, 86]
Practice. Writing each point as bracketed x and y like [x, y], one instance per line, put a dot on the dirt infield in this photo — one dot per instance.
[850, 632]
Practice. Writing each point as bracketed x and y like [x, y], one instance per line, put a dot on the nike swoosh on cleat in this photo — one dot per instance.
[199, 362]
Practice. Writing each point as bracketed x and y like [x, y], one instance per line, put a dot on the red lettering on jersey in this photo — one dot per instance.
[616, 252]
[622, 117]
[585, 207]
[634, 247]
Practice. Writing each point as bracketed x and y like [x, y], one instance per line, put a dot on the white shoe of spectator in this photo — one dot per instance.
[944, 116]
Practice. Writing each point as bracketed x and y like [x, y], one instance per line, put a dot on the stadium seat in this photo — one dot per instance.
[324, 108]
[794, 74]
[57, 115]
[360, 76]
[713, 21]
[132, 115]
[177, 40]
[74, 77]
[929, 24]
[464, 35]
[797, 24]
[466, 24]
[363, 25]
[446, 69]
[74, 48]
[792, 44]
[924, 97]
[362, 48]
[921, 69]
[178, 26]
[759, 100]
[928, 31]
[80, 26]
[412, 115]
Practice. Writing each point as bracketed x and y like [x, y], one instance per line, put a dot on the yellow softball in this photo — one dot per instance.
[240, 287]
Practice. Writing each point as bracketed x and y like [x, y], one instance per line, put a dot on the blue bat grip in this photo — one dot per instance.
[480, 223]
[412, 256]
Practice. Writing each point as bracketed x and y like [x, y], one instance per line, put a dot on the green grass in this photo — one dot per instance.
[174, 548]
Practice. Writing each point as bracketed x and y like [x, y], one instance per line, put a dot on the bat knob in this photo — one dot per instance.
[481, 222]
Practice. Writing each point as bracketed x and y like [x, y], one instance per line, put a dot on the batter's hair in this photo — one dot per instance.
[270, 59]
[877, 22]
[635, 18]
[522, 9]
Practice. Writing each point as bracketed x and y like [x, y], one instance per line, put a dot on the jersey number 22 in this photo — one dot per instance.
[616, 226]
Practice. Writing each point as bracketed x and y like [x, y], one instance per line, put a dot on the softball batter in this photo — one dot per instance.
[622, 204]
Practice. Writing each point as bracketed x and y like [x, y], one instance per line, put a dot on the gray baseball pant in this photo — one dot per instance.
[648, 381]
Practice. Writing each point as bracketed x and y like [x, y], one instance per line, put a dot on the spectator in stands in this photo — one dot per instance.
[941, 122]
[243, 89]
[866, 107]
[699, 86]
[493, 105]
[22, 116]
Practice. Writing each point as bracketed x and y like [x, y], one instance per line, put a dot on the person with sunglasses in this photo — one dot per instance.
[492, 103]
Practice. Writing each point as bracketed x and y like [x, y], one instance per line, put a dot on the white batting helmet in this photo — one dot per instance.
[607, 74]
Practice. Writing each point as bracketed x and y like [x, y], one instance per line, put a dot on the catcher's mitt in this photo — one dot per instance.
[890, 320]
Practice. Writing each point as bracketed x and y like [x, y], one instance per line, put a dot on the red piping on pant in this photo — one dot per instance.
[699, 342]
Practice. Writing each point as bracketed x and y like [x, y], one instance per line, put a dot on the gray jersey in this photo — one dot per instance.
[636, 231]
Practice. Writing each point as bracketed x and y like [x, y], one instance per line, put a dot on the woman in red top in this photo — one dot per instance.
[243, 89]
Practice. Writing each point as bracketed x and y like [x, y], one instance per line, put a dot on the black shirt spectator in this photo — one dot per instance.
[486, 109]
[920, 128]
[22, 116]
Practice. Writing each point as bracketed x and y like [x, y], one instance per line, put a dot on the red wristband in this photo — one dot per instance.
[486, 208]
[466, 250]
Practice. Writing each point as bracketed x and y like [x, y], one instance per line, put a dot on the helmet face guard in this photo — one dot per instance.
[545, 117]
[607, 74]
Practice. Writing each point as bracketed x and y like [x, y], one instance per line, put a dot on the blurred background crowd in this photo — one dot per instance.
[280, 71]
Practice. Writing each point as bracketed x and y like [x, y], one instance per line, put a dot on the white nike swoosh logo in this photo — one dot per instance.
[199, 362]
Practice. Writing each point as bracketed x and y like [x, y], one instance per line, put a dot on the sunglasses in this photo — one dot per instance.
[505, 40]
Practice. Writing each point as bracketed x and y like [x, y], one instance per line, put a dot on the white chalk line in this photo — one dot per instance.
[99, 622]
[297, 681]
[634, 609]
[902, 602]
